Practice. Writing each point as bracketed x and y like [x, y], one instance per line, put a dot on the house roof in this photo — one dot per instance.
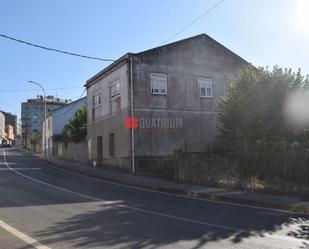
[200, 36]
[67, 105]
[125, 57]
[107, 69]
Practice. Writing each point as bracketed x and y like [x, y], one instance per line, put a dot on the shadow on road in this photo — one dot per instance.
[112, 226]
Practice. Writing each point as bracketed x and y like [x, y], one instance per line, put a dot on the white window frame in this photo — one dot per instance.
[114, 93]
[158, 76]
[205, 83]
[96, 100]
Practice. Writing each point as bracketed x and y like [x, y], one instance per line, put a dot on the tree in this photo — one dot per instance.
[36, 139]
[255, 128]
[253, 111]
[76, 130]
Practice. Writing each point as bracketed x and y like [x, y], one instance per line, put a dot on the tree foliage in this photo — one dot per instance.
[254, 127]
[254, 109]
[76, 130]
[36, 139]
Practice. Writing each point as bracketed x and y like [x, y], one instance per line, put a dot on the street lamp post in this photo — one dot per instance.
[45, 113]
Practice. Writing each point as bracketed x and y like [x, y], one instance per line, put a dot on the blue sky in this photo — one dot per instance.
[264, 32]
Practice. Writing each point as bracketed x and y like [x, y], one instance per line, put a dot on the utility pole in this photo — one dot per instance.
[45, 113]
[132, 116]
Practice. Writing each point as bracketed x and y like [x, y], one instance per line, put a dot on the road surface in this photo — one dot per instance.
[45, 207]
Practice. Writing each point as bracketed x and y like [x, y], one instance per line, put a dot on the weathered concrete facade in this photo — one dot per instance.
[176, 93]
[108, 117]
[72, 151]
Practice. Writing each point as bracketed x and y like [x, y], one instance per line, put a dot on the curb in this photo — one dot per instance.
[295, 208]
[298, 208]
[109, 179]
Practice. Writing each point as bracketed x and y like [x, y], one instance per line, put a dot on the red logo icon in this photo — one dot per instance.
[131, 123]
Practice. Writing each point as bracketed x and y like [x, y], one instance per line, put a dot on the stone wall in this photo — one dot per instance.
[158, 166]
[206, 168]
[72, 151]
[215, 169]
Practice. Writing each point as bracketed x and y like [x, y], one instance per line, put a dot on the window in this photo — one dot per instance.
[158, 83]
[96, 100]
[115, 90]
[35, 125]
[205, 87]
[111, 144]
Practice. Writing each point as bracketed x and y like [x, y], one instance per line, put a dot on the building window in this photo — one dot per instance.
[114, 90]
[205, 87]
[96, 100]
[111, 144]
[158, 83]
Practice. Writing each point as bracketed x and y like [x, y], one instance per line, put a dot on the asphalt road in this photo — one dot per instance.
[45, 207]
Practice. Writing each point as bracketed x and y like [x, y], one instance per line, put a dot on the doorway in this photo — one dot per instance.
[99, 149]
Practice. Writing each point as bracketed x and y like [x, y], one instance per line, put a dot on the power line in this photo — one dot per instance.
[6, 103]
[63, 88]
[47, 89]
[54, 49]
[194, 21]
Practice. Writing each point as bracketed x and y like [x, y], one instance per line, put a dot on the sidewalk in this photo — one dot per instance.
[290, 203]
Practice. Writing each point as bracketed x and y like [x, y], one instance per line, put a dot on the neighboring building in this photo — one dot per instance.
[9, 134]
[174, 102]
[56, 122]
[2, 127]
[18, 131]
[32, 116]
[11, 126]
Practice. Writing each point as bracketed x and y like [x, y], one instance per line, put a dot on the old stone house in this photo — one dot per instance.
[168, 94]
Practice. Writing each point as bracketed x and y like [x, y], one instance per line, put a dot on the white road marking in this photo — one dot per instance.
[30, 241]
[169, 194]
[19, 169]
[118, 205]
[286, 238]
[47, 184]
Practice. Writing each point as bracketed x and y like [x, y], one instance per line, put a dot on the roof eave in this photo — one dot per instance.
[107, 69]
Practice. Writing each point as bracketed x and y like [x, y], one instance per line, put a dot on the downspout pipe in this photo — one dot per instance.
[132, 116]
